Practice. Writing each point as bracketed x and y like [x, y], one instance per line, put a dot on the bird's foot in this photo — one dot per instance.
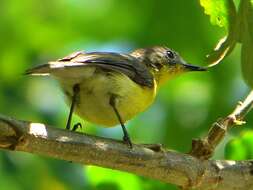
[76, 126]
[126, 139]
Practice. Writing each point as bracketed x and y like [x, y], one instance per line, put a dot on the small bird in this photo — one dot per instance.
[108, 88]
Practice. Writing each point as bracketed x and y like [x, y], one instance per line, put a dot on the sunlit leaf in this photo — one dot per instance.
[218, 10]
[223, 14]
[222, 49]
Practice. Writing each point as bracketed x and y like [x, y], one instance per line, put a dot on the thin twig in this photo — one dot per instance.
[204, 148]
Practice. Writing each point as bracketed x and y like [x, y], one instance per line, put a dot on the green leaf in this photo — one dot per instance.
[223, 48]
[247, 62]
[246, 36]
[223, 14]
[218, 11]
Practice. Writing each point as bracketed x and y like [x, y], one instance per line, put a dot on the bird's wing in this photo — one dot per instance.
[122, 63]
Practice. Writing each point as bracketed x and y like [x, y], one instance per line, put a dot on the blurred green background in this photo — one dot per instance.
[33, 32]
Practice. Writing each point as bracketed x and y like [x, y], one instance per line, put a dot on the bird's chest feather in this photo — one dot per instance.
[96, 91]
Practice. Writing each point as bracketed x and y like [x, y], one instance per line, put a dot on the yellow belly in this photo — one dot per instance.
[95, 91]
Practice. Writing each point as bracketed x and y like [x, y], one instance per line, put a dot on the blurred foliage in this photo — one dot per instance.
[34, 32]
[239, 25]
[241, 147]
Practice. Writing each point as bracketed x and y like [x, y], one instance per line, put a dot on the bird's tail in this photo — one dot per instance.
[45, 69]
[39, 70]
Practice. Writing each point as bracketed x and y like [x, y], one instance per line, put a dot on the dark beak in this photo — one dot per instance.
[189, 67]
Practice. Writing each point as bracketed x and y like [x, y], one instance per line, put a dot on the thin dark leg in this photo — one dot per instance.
[76, 90]
[126, 137]
[76, 126]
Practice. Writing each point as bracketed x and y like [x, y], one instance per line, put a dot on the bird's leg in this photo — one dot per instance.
[126, 137]
[76, 126]
[76, 90]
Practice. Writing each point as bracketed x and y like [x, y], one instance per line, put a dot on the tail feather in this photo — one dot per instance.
[61, 69]
[39, 70]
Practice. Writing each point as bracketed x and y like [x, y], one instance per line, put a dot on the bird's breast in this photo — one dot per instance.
[96, 91]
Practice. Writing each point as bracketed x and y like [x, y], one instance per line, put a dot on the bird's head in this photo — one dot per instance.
[164, 63]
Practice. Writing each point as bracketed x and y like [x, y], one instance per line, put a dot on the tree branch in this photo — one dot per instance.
[204, 148]
[164, 165]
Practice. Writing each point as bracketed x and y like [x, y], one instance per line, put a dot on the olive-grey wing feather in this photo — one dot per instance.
[122, 63]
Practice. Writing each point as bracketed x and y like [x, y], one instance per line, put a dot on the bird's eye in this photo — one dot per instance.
[170, 54]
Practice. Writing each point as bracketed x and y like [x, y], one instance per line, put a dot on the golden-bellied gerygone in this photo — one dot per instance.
[110, 88]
